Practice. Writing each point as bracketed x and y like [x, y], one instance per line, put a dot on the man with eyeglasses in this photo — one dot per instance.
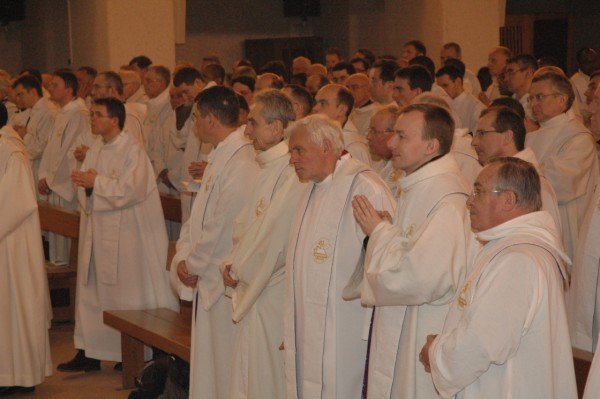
[518, 75]
[123, 240]
[565, 150]
[501, 133]
[506, 332]
[414, 266]
[364, 107]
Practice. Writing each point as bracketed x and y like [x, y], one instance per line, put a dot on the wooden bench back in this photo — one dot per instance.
[171, 207]
[63, 221]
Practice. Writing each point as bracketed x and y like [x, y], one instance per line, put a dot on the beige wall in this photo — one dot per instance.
[10, 48]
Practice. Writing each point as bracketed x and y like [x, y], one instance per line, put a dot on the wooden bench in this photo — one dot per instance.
[164, 329]
[61, 280]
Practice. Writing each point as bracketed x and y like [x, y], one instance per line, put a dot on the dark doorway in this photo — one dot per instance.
[550, 38]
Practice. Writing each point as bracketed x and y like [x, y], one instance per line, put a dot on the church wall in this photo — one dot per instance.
[10, 48]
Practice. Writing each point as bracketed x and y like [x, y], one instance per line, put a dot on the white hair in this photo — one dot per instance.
[320, 128]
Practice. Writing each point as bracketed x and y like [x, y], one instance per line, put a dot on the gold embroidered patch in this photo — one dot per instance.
[260, 207]
[462, 298]
[322, 250]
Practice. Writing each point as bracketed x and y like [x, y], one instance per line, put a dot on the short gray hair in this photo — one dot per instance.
[320, 128]
[521, 178]
[276, 107]
[559, 80]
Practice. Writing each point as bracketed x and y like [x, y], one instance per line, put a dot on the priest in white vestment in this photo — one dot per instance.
[506, 335]
[156, 84]
[565, 150]
[501, 133]
[325, 334]
[336, 102]
[25, 311]
[380, 131]
[364, 107]
[37, 128]
[205, 240]
[58, 160]
[133, 90]
[256, 267]
[415, 265]
[122, 241]
[588, 61]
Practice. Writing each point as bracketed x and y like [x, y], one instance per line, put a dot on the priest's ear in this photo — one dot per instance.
[276, 127]
[509, 200]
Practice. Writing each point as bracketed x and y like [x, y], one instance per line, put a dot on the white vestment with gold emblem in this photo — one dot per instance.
[412, 270]
[325, 341]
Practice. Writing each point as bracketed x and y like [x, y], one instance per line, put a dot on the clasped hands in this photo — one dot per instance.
[366, 215]
[84, 179]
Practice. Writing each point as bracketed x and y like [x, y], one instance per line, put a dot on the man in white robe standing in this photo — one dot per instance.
[58, 160]
[506, 332]
[501, 133]
[205, 240]
[122, 240]
[336, 102]
[255, 269]
[25, 311]
[414, 267]
[156, 84]
[325, 345]
[565, 150]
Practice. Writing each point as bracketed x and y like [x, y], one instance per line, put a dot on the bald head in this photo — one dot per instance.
[335, 101]
[316, 69]
[497, 60]
[300, 65]
[267, 81]
[359, 86]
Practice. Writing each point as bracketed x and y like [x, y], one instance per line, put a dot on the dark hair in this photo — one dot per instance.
[581, 52]
[511, 103]
[114, 109]
[365, 62]
[334, 50]
[417, 77]
[425, 62]
[450, 70]
[114, 80]
[187, 75]
[367, 55]
[243, 103]
[244, 62]
[91, 72]
[417, 44]
[344, 96]
[141, 61]
[245, 80]
[454, 46]
[214, 72]
[484, 77]
[340, 66]
[299, 79]
[438, 124]
[507, 119]
[524, 61]
[277, 67]
[70, 80]
[302, 95]
[32, 72]
[387, 68]
[458, 64]
[220, 101]
[163, 73]
[29, 82]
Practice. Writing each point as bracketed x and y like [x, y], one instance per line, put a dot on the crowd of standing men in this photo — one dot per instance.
[370, 228]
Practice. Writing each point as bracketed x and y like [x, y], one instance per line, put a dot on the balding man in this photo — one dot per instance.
[316, 69]
[565, 150]
[133, 90]
[268, 81]
[381, 130]
[364, 107]
[452, 50]
[506, 333]
[300, 65]
[336, 102]
[497, 59]
[314, 83]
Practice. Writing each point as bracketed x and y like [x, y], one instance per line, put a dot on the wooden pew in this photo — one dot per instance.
[61, 280]
[161, 328]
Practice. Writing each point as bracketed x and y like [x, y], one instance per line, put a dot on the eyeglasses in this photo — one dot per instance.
[377, 132]
[482, 133]
[541, 97]
[477, 192]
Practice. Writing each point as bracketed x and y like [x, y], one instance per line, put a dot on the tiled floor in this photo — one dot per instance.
[104, 384]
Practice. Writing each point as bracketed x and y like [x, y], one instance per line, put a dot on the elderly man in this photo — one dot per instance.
[300, 65]
[336, 102]
[133, 90]
[414, 266]
[325, 347]
[364, 107]
[497, 59]
[37, 129]
[381, 130]
[24, 299]
[57, 161]
[255, 268]
[119, 203]
[506, 333]
[501, 133]
[205, 240]
[565, 150]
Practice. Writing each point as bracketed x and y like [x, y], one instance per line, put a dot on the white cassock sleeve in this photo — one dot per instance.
[491, 326]
[36, 143]
[16, 187]
[568, 171]
[416, 270]
[125, 190]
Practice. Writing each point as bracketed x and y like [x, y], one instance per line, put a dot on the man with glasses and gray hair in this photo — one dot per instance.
[506, 333]
[565, 150]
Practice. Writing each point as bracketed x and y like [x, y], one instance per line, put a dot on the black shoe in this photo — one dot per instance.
[118, 366]
[7, 391]
[80, 363]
